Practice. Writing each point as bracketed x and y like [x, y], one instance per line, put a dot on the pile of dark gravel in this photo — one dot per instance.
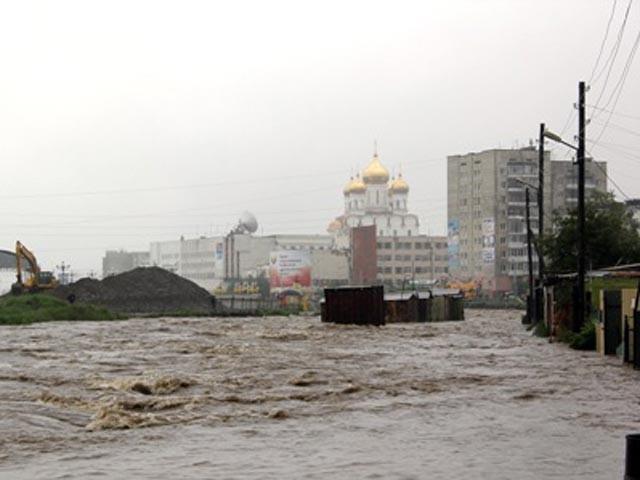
[150, 290]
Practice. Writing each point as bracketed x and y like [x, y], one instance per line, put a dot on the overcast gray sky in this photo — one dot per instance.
[124, 122]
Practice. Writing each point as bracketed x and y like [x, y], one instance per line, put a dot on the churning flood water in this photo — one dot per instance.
[289, 398]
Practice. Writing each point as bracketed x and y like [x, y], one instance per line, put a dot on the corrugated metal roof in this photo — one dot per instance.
[394, 297]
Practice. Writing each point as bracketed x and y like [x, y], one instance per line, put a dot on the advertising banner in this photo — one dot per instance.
[488, 240]
[453, 243]
[290, 267]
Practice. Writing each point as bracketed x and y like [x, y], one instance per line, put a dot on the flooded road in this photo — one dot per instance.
[294, 398]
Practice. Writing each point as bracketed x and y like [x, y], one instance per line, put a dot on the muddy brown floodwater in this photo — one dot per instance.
[289, 398]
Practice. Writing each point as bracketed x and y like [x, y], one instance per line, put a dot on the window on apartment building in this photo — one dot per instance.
[387, 269]
[387, 245]
[398, 258]
[409, 233]
[407, 258]
[398, 269]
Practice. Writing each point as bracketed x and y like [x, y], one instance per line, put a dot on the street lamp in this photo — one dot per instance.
[557, 138]
[532, 304]
[580, 158]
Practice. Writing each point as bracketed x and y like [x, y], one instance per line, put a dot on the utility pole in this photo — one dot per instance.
[539, 283]
[531, 304]
[582, 264]
[65, 275]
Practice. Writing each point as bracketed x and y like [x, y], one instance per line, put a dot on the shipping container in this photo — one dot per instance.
[354, 305]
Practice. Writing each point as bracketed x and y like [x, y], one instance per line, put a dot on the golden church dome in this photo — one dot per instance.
[399, 185]
[335, 225]
[375, 172]
[355, 185]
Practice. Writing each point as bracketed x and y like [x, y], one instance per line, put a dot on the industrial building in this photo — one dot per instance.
[486, 211]
[247, 255]
[198, 259]
[416, 258]
[120, 261]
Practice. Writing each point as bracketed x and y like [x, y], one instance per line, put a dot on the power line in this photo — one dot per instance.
[619, 127]
[634, 117]
[617, 90]
[570, 118]
[620, 85]
[420, 163]
[613, 54]
[608, 177]
[616, 146]
[604, 41]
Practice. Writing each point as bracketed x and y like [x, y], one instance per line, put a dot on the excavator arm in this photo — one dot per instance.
[23, 252]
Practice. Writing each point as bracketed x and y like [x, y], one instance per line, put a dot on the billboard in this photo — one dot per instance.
[290, 267]
[453, 244]
[488, 241]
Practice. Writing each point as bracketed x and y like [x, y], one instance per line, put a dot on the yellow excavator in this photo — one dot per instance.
[37, 280]
[468, 289]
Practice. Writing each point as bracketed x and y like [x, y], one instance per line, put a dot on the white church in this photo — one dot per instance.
[373, 198]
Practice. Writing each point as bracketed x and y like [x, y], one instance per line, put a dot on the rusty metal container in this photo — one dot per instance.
[354, 305]
[401, 307]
